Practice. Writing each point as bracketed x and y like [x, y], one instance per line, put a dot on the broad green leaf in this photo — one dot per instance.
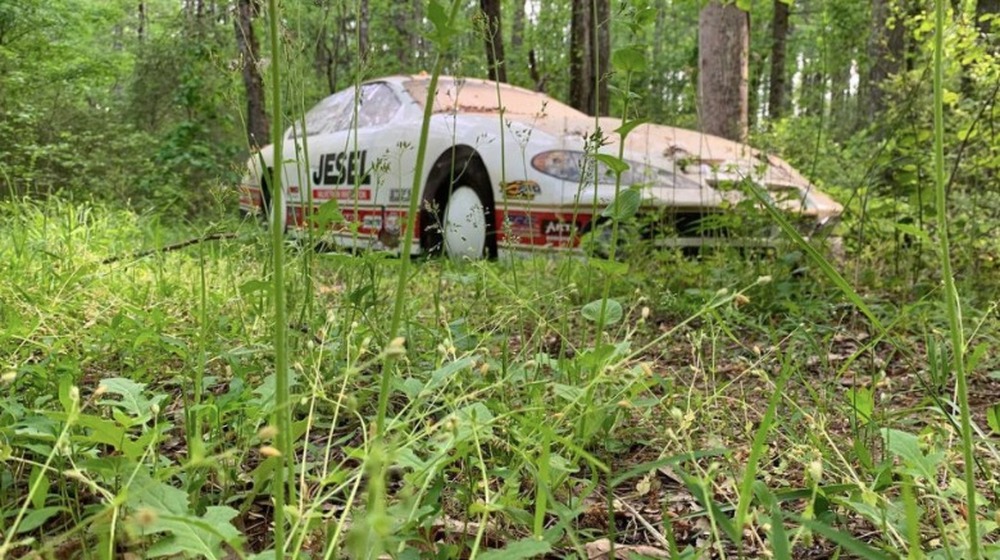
[41, 494]
[993, 418]
[446, 372]
[609, 267]
[613, 311]
[267, 389]
[66, 389]
[37, 517]
[906, 446]
[624, 206]
[443, 30]
[146, 492]
[475, 417]
[328, 213]
[529, 547]
[199, 536]
[628, 126]
[631, 58]
[570, 393]
[616, 165]
[132, 401]
[862, 401]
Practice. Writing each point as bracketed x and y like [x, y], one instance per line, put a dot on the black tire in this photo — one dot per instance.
[458, 170]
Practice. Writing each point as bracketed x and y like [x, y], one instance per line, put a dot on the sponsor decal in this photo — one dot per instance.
[342, 194]
[559, 229]
[399, 195]
[519, 225]
[540, 229]
[522, 190]
[371, 222]
[344, 168]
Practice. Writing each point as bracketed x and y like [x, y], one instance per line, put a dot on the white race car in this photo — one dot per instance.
[506, 168]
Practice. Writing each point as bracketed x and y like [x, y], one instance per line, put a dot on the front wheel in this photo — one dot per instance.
[456, 213]
[465, 225]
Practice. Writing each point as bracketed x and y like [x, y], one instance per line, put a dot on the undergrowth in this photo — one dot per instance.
[734, 407]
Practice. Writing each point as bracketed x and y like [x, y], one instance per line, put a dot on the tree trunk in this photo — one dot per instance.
[517, 27]
[141, 26]
[885, 54]
[493, 37]
[363, 22]
[779, 47]
[590, 46]
[723, 70]
[986, 28]
[417, 38]
[246, 41]
[581, 81]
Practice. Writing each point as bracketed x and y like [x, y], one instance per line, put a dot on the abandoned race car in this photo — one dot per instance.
[508, 168]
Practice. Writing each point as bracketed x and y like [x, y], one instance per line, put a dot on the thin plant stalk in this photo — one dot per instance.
[281, 400]
[404, 252]
[952, 304]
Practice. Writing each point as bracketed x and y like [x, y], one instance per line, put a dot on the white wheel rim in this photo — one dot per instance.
[464, 225]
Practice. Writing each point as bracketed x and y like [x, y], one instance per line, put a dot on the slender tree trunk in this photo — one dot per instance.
[493, 37]
[590, 45]
[517, 26]
[988, 27]
[402, 22]
[841, 117]
[257, 125]
[364, 19]
[723, 70]
[602, 58]
[885, 54]
[581, 80]
[141, 26]
[417, 39]
[779, 48]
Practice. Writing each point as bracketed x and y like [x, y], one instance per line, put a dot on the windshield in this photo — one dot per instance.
[377, 106]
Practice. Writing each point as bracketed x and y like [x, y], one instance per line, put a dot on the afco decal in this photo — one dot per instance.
[344, 168]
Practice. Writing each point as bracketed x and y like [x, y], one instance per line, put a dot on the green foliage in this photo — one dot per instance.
[768, 404]
[503, 411]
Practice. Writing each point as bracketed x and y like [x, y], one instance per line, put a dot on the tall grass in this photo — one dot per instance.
[282, 407]
[703, 423]
[951, 300]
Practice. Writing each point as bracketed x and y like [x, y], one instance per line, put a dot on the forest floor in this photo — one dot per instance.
[729, 407]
